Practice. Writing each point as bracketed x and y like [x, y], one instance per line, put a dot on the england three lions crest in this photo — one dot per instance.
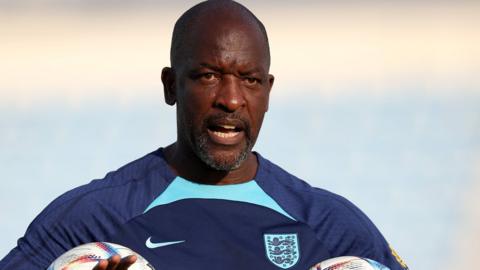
[282, 249]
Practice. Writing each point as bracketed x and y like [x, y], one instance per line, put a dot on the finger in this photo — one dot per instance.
[101, 265]
[113, 262]
[126, 262]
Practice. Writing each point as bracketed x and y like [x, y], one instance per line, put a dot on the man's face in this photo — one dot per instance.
[222, 92]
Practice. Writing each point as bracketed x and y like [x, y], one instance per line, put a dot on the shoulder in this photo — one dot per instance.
[281, 183]
[315, 200]
[94, 211]
[334, 219]
[135, 177]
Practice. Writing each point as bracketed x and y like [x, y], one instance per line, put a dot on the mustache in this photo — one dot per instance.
[234, 118]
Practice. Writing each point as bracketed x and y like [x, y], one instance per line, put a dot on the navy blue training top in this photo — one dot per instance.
[275, 221]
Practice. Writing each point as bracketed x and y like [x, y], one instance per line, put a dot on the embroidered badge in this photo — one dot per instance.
[282, 249]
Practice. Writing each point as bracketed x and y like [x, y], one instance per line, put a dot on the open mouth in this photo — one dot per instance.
[226, 133]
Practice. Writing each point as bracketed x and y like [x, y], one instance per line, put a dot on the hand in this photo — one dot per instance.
[116, 263]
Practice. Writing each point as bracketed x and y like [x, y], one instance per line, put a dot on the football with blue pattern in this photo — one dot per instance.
[85, 257]
[349, 263]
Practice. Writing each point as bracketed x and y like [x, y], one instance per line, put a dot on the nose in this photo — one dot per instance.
[229, 96]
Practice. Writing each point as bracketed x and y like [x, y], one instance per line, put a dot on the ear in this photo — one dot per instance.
[169, 90]
[271, 79]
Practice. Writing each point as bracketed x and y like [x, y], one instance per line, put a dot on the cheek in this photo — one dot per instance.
[197, 95]
[259, 102]
[258, 105]
[195, 103]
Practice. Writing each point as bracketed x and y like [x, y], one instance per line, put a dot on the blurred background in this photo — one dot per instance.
[378, 101]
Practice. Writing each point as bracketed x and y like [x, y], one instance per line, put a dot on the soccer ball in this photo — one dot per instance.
[349, 263]
[86, 256]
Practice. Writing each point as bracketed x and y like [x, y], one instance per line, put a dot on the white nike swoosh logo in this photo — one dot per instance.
[150, 244]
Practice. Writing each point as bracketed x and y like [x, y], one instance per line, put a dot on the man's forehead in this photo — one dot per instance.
[223, 59]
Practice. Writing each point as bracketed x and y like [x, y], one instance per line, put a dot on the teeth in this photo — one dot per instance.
[225, 134]
[227, 126]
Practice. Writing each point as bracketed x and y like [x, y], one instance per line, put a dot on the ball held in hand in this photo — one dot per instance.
[87, 256]
[349, 263]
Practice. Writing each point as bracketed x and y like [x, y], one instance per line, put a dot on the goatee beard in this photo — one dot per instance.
[223, 163]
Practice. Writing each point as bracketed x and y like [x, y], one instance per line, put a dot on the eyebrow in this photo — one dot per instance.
[251, 71]
[212, 67]
[218, 69]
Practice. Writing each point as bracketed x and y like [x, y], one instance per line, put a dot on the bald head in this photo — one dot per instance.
[207, 15]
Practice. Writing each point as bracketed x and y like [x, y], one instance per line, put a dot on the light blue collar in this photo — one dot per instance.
[248, 192]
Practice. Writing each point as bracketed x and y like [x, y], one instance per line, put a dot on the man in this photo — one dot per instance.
[207, 201]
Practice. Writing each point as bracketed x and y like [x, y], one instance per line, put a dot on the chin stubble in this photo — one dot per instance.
[220, 163]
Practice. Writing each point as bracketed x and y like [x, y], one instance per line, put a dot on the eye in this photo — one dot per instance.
[209, 77]
[251, 81]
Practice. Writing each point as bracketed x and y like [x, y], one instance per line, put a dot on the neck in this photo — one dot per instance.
[187, 165]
